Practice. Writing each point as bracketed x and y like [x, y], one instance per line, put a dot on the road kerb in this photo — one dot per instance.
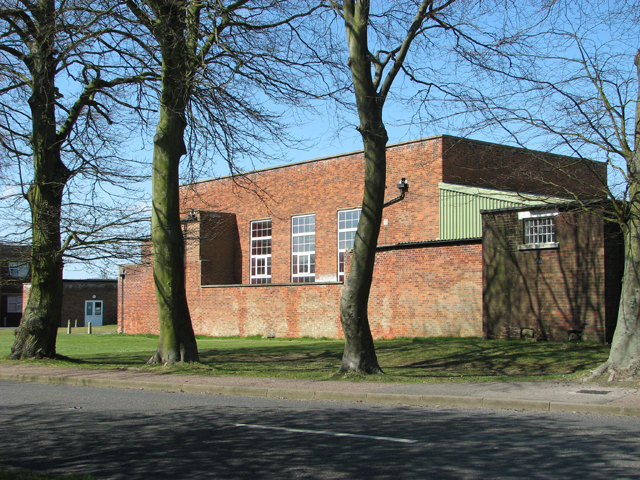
[208, 389]
[395, 398]
[295, 394]
[451, 401]
[60, 380]
[340, 396]
[515, 404]
[291, 393]
[586, 408]
[159, 386]
[92, 382]
[245, 391]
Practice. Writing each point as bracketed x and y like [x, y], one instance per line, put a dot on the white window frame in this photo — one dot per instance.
[261, 245]
[539, 229]
[346, 236]
[18, 269]
[14, 303]
[303, 248]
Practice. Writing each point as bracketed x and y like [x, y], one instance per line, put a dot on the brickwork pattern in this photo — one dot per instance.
[479, 164]
[427, 290]
[546, 291]
[324, 187]
[76, 292]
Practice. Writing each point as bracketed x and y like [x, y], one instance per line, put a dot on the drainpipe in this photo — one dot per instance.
[122, 275]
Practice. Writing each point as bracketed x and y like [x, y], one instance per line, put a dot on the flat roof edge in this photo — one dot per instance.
[317, 159]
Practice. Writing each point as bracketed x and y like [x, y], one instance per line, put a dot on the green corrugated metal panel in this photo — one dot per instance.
[460, 208]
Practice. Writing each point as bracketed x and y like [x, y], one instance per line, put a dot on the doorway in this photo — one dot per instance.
[93, 312]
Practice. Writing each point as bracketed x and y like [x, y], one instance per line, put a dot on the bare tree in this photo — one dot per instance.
[58, 89]
[570, 84]
[219, 61]
[393, 28]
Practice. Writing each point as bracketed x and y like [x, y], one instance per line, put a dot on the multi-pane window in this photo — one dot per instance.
[539, 230]
[303, 249]
[261, 251]
[14, 304]
[347, 226]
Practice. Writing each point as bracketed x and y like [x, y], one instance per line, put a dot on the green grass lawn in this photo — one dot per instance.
[437, 359]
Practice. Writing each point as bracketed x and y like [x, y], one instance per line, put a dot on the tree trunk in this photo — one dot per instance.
[177, 341]
[625, 346]
[359, 352]
[624, 357]
[36, 336]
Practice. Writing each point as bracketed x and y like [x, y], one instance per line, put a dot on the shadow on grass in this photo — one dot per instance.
[403, 360]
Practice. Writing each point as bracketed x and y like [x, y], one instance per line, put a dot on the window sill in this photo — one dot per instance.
[538, 246]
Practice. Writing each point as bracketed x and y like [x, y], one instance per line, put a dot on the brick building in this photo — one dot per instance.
[83, 301]
[550, 272]
[14, 271]
[266, 252]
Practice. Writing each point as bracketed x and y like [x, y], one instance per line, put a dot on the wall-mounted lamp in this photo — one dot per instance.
[403, 186]
[192, 217]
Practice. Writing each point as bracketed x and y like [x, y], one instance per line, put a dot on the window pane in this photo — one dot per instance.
[260, 271]
[539, 230]
[303, 246]
[347, 227]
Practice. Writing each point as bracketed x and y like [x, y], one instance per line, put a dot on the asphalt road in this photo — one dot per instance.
[133, 434]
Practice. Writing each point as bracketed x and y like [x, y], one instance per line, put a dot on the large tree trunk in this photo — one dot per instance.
[625, 346]
[624, 357]
[359, 352]
[177, 341]
[36, 336]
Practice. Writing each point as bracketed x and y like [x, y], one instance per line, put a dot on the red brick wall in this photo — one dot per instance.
[480, 164]
[426, 290]
[74, 294]
[323, 187]
[433, 289]
[551, 290]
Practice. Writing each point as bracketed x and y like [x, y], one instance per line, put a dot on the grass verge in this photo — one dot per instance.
[418, 360]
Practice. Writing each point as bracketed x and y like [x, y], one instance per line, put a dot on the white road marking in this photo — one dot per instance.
[322, 432]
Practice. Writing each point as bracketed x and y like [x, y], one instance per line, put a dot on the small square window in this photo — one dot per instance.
[539, 230]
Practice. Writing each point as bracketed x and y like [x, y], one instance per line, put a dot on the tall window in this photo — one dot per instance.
[347, 226]
[14, 304]
[261, 251]
[303, 249]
